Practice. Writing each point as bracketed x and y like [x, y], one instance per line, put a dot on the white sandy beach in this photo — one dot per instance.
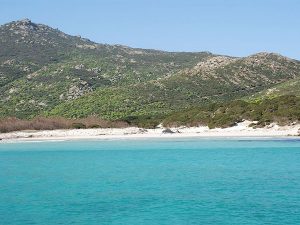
[241, 130]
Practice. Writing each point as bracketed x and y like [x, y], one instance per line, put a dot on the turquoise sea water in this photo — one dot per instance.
[183, 181]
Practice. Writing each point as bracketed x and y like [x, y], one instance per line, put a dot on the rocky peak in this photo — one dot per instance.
[25, 21]
[268, 55]
[24, 25]
[26, 31]
[267, 58]
[209, 65]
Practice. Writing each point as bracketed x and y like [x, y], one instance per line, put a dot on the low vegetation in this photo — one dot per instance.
[42, 123]
[283, 110]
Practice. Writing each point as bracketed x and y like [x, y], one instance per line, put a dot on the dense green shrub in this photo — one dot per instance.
[282, 110]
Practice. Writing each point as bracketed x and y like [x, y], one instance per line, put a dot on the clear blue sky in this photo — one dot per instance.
[231, 27]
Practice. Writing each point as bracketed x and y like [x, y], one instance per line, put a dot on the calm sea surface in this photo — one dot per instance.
[182, 181]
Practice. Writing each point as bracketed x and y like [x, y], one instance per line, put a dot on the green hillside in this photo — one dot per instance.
[46, 72]
[291, 87]
[41, 67]
[229, 79]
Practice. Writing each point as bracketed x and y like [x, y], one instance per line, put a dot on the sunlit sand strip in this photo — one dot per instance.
[240, 130]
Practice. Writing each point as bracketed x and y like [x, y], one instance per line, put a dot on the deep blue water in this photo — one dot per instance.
[184, 181]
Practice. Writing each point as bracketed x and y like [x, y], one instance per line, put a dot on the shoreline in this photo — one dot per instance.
[241, 130]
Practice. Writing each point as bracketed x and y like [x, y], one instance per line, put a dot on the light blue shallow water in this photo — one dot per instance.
[185, 181]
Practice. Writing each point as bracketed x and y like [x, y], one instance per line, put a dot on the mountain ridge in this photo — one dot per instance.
[44, 71]
[29, 22]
